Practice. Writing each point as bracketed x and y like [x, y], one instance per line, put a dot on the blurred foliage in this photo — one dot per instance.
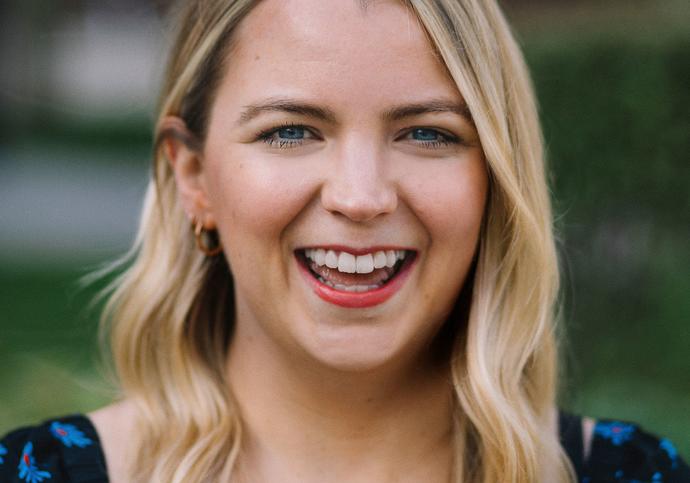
[615, 115]
[50, 361]
[46, 128]
[616, 124]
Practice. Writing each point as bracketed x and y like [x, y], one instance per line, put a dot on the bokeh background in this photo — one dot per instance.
[78, 86]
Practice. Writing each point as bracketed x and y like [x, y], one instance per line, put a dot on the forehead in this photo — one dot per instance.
[340, 46]
[320, 22]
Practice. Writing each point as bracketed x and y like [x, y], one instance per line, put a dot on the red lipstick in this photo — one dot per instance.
[358, 300]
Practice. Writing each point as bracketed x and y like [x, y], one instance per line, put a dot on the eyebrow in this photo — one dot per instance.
[437, 105]
[311, 110]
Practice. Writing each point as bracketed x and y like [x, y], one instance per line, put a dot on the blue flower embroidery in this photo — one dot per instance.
[69, 435]
[615, 431]
[3, 451]
[656, 478]
[671, 451]
[27, 467]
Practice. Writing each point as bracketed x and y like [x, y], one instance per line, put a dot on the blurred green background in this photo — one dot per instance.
[613, 81]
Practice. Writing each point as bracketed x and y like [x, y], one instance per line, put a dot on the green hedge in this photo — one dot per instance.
[615, 116]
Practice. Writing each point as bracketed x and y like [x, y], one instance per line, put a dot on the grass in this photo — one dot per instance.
[48, 346]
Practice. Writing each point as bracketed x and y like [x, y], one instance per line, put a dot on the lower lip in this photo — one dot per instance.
[358, 300]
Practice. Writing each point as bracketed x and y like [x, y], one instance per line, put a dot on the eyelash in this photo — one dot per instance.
[267, 137]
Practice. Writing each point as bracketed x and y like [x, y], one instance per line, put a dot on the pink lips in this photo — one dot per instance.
[358, 300]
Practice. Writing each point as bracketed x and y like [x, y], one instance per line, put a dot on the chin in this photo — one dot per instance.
[354, 349]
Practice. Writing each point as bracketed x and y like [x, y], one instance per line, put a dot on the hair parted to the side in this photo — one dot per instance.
[170, 317]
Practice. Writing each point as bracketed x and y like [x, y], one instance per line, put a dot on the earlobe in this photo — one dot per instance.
[185, 159]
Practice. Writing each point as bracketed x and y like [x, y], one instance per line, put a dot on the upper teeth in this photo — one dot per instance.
[348, 263]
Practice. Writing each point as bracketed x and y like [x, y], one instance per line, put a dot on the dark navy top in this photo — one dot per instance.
[68, 450]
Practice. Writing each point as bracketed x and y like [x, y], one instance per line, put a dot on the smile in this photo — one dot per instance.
[365, 279]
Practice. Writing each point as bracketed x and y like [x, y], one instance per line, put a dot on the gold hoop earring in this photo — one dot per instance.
[204, 238]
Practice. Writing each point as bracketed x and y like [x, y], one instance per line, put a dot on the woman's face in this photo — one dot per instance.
[336, 137]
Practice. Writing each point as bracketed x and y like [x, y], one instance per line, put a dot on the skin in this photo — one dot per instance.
[329, 393]
[353, 376]
[358, 182]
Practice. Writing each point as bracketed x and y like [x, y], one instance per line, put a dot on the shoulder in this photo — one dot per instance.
[620, 451]
[57, 450]
[115, 425]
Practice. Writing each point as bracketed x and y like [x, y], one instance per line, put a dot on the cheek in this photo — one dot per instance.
[450, 201]
[254, 198]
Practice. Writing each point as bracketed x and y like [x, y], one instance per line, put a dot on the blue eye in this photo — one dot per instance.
[293, 135]
[287, 136]
[429, 138]
[294, 132]
[424, 134]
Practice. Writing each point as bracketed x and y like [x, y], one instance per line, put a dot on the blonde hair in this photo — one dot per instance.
[169, 319]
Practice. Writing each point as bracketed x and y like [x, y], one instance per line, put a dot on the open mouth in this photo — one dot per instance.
[345, 272]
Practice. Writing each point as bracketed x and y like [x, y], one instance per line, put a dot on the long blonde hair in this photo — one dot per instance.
[170, 317]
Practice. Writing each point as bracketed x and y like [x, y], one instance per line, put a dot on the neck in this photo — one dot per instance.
[307, 420]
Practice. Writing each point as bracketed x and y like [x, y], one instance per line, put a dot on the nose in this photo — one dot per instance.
[358, 185]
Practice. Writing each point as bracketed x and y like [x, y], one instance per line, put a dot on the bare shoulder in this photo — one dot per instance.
[114, 424]
[113, 419]
[587, 434]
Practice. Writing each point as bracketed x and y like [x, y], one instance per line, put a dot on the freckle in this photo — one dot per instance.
[257, 57]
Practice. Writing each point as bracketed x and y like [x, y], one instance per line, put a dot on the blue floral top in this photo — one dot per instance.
[60, 450]
[621, 452]
[68, 450]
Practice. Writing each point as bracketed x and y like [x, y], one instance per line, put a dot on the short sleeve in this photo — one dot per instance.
[624, 453]
[58, 450]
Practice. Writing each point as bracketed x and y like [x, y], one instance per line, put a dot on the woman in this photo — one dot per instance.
[366, 292]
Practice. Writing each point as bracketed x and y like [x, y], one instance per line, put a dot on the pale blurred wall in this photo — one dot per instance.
[82, 64]
[80, 59]
[103, 58]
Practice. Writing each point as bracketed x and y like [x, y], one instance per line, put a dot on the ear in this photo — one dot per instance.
[181, 149]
